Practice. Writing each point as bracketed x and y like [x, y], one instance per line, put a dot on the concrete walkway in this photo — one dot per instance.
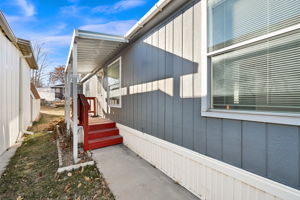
[6, 156]
[132, 178]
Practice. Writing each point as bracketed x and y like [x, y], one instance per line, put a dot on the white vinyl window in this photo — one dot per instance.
[252, 60]
[114, 83]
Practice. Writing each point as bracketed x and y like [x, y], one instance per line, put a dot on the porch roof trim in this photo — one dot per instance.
[93, 49]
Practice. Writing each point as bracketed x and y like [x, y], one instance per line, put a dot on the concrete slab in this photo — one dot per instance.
[6, 156]
[132, 178]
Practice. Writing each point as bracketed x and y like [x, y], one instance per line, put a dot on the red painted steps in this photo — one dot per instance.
[102, 135]
[105, 141]
[95, 127]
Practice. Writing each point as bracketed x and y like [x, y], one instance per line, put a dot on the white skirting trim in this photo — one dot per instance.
[207, 178]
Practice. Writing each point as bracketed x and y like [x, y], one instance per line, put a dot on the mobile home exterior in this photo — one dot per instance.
[47, 94]
[16, 98]
[209, 92]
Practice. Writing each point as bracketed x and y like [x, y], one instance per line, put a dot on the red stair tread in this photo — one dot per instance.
[95, 127]
[103, 130]
[103, 133]
[105, 141]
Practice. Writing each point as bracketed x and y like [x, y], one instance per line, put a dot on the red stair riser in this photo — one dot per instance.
[103, 133]
[96, 127]
[106, 143]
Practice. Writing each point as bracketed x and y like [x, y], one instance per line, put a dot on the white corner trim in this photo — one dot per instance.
[204, 66]
[207, 178]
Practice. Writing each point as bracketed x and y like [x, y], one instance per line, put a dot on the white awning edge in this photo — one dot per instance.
[94, 37]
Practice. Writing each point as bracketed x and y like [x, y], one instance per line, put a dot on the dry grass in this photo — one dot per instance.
[59, 111]
[31, 173]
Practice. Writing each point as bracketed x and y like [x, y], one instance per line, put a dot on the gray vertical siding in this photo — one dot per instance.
[161, 84]
[169, 37]
[172, 51]
[257, 154]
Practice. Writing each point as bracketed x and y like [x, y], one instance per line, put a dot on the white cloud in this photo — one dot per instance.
[113, 27]
[72, 10]
[12, 19]
[27, 7]
[56, 40]
[127, 4]
[52, 37]
[119, 6]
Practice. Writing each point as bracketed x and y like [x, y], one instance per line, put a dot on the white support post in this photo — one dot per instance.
[75, 113]
[66, 83]
[67, 100]
[65, 108]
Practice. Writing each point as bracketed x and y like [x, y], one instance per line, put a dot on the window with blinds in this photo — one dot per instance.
[261, 76]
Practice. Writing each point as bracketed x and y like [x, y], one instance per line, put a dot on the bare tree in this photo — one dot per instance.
[57, 75]
[41, 56]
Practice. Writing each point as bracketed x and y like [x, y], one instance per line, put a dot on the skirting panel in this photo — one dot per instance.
[207, 178]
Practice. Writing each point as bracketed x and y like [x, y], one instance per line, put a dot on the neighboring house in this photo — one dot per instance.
[59, 91]
[206, 91]
[52, 93]
[47, 94]
[18, 106]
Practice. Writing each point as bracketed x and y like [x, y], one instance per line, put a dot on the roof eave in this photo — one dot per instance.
[158, 7]
[6, 28]
[27, 51]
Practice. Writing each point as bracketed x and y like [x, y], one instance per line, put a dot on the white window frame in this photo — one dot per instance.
[206, 110]
[120, 75]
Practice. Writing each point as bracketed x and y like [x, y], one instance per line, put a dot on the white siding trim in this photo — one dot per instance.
[267, 117]
[207, 178]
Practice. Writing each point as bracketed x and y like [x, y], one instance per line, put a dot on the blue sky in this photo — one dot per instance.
[52, 21]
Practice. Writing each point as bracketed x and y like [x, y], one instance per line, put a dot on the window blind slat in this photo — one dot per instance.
[263, 77]
[231, 21]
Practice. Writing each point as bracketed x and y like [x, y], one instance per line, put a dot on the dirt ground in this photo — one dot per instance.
[48, 118]
[59, 111]
[31, 173]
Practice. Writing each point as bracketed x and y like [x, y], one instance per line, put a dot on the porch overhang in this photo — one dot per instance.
[93, 50]
[89, 51]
